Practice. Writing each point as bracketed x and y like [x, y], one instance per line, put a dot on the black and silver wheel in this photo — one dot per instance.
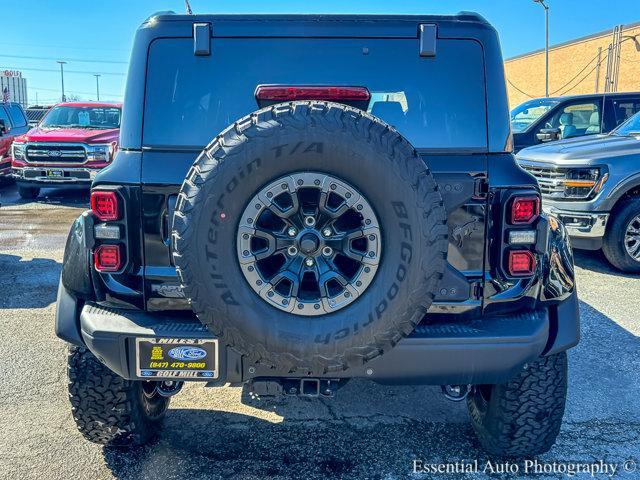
[108, 409]
[309, 236]
[309, 243]
[621, 243]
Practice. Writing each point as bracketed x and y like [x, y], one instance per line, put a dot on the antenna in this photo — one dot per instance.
[188, 7]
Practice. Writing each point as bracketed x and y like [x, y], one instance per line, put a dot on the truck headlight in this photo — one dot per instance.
[583, 182]
[17, 151]
[99, 153]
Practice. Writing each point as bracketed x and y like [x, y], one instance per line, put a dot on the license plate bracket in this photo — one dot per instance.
[181, 358]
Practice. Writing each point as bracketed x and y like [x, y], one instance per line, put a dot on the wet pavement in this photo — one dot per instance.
[367, 431]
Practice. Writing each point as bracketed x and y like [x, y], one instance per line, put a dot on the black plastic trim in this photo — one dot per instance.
[485, 350]
[67, 309]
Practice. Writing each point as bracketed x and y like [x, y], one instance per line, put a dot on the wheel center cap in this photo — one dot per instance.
[309, 243]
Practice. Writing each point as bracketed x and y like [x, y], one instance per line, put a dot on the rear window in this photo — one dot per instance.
[435, 102]
[17, 117]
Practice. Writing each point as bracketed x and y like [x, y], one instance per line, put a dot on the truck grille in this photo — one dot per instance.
[549, 179]
[56, 153]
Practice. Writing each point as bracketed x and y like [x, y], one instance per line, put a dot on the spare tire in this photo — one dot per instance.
[310, 237]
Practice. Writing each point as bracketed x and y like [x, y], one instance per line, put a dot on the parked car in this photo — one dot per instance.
[310, 219]
[71, 144]
[12, 122]
[547, 119]
[593, 186]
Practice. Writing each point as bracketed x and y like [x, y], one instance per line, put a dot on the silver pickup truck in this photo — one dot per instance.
[593, 185]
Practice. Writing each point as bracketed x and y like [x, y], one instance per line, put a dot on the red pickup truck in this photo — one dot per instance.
[69, 146]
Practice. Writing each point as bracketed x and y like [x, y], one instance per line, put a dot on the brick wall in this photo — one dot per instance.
[526, 72]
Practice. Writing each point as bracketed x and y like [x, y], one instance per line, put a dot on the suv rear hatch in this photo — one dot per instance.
[428, 82]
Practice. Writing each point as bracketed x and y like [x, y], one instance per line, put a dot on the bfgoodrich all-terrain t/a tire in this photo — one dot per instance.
[108, 409]
[522, 417]
[346, 150]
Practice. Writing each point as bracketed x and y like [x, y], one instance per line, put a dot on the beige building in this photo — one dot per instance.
[575, 67]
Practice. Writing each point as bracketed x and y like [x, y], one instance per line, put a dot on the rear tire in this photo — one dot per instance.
[614, 248]
[522, 417]
[108, 409]
[28, 193]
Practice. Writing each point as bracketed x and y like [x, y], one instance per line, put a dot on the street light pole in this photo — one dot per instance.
[64, 99]
[97, 86]
[546, 45]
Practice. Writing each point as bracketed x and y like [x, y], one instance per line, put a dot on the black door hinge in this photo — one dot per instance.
[202, 39]
[428, 34]
[478, 290]
[481, 187]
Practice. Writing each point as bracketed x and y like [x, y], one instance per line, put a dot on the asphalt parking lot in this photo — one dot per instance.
[368, 431]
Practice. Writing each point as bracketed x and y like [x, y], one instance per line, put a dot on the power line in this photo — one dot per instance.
[48, 46]
[583, 78]
[80, 60]
[90, 72]
[74, 91]
[569, 82]
[578, 74]
[522, 92]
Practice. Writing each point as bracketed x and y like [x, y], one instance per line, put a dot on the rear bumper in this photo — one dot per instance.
[487, 350]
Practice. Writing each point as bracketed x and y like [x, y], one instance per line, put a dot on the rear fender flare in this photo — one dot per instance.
[76, 266]
[556, 260]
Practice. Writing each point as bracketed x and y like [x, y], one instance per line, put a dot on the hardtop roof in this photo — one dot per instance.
[171, 16]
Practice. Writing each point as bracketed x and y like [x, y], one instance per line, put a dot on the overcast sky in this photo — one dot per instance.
[96, 36]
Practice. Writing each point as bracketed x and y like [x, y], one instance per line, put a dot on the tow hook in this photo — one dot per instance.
[456, 393]
[168, 388]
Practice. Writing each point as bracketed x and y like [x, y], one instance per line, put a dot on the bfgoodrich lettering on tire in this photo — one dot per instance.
[228, 220]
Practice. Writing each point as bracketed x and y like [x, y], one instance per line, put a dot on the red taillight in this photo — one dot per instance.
[107, 258]
[104, 205]
[284, 93]
[521, 263]
[524, 210]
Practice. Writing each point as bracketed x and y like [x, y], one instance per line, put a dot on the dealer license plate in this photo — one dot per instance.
[177, 358]
[55, 173]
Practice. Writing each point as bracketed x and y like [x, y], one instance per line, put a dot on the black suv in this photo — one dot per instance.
[555, 118]
[301, 200]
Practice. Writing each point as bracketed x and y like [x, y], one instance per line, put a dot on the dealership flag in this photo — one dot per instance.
[6, 96]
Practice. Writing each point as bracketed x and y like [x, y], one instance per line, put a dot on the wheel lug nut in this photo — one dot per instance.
[292, 251]
[327, 251]
[309, 221]
[309, 262]
[326, 232]
[291, 231]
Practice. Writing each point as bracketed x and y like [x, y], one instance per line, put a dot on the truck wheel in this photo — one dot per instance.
[622, 241]
[28, 193]
[108, 409]
[522, 417]
[310, 236]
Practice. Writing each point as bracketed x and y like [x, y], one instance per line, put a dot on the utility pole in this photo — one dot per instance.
[64, 99]
[97, 86]
[598, 69]
[613, 57]
[546, 46]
